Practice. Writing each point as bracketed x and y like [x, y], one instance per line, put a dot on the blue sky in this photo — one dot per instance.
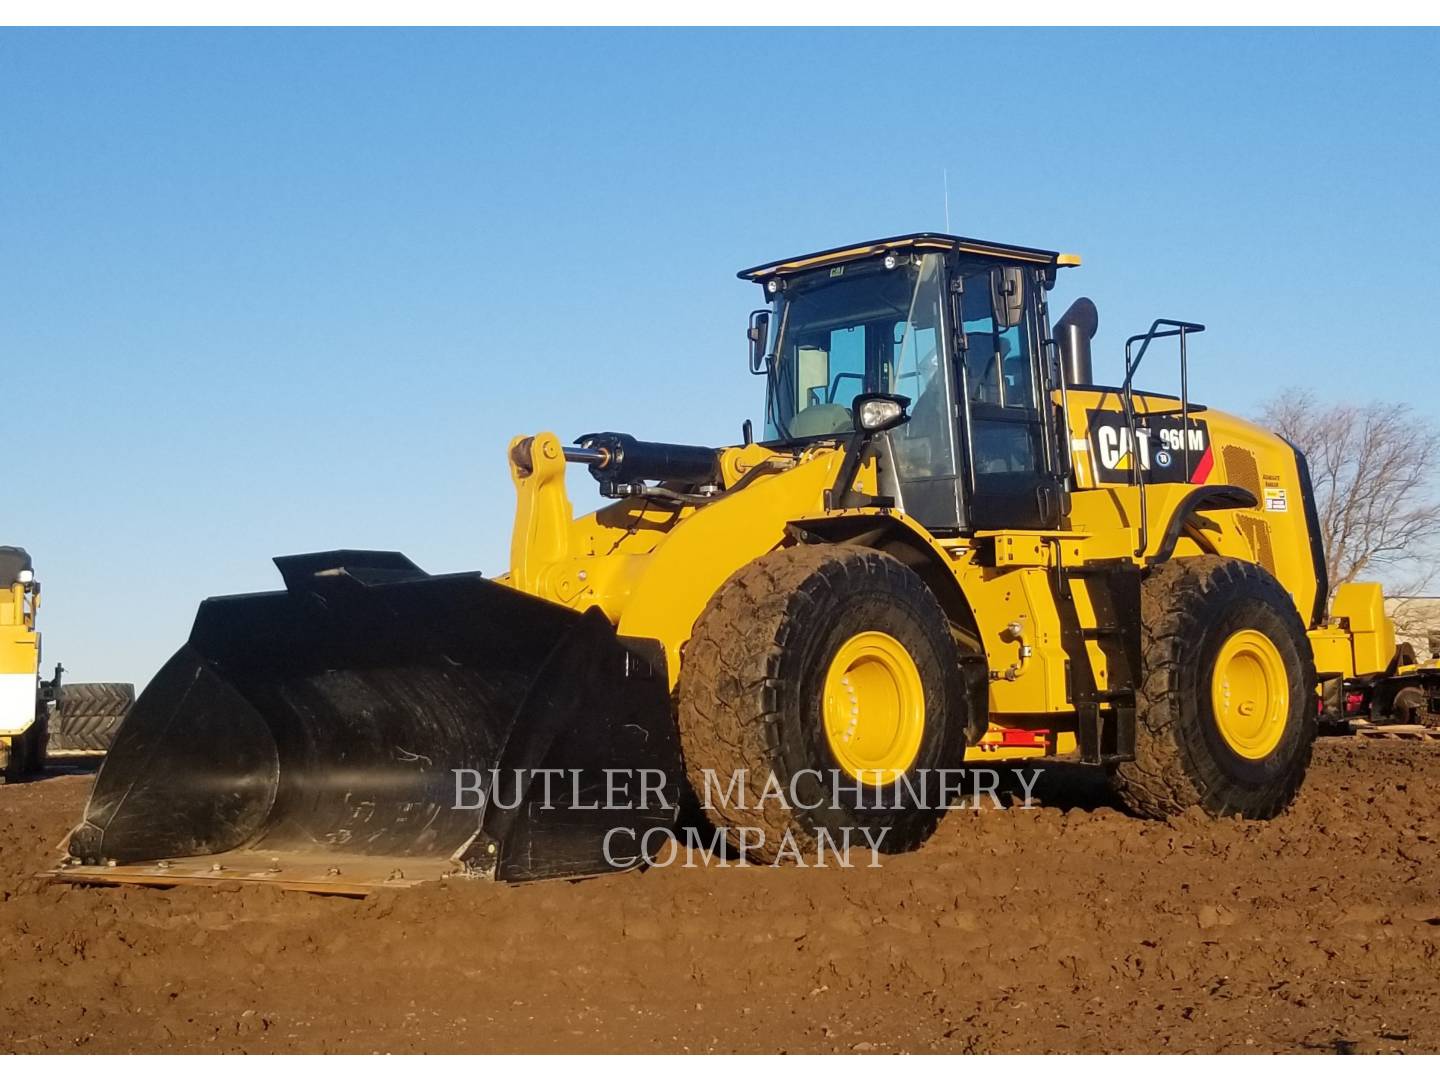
[269, 292]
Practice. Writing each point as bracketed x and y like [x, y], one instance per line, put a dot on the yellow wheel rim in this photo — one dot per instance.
[874, 708]
[1250, 693]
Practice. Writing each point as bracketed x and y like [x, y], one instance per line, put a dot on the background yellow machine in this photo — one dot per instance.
[950, 544]
[44, 719]
[24, 698]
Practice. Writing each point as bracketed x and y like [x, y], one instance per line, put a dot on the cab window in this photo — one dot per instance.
[831, 366]
[1000, 373]
[998, 365]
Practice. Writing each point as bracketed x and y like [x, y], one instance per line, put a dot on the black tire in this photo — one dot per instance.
[750, 691]
[88, 715]
[25, 756]
[1189, 609]
[39, 741]
[1411, 705]
[12, 760]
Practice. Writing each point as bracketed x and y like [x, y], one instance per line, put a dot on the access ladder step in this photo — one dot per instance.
[1098, 633]
[1125, 695]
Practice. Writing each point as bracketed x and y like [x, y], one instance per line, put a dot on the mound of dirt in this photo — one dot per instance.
[1069, 927]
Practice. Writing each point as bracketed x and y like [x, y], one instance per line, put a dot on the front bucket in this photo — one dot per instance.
[374, 717]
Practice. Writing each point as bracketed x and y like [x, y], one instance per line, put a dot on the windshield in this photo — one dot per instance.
[851, 329]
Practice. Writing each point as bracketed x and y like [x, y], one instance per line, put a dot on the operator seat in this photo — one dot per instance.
[822, 419]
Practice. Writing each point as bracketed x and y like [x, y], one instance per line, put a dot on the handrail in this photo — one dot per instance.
[1173, 328]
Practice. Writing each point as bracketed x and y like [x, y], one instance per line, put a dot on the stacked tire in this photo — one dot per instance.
[88, 715]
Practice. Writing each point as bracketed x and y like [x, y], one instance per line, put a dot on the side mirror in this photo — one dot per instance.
[1007, 296]
[759, 335]
[875, 413]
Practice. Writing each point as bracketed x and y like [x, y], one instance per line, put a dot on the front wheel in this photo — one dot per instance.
[1226, 708]
[827, 674]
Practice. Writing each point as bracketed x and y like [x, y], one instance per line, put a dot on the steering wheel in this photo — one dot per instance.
[835, 385]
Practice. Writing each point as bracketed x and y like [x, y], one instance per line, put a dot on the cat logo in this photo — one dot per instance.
[1160, 447]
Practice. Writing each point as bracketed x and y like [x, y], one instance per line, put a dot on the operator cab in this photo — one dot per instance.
[956, 326]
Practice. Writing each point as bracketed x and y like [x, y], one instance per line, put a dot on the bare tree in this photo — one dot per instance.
[1374, 469]
[1417, 621]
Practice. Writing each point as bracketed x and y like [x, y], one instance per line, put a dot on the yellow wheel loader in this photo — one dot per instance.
[949, 547]
[24, 698]
[42, 720]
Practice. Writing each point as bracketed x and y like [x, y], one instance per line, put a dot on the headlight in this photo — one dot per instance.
[880, 412]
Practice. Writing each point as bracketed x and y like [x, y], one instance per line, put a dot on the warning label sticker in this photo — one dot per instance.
[1276, 499]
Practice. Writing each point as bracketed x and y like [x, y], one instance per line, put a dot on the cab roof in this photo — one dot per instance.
[924, 241]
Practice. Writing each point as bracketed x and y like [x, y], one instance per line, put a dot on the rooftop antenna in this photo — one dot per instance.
[945, 173]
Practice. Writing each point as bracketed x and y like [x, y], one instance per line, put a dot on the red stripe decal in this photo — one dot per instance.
[1203, 467]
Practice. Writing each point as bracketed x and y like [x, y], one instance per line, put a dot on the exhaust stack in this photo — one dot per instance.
[1074, 332]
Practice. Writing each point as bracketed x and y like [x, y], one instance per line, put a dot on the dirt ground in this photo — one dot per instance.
[1069, 927]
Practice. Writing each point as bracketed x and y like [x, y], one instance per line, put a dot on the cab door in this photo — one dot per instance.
[1011, 481]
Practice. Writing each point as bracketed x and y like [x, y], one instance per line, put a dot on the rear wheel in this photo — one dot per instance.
[832, 670]
[1226, 709]
[88, 715]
